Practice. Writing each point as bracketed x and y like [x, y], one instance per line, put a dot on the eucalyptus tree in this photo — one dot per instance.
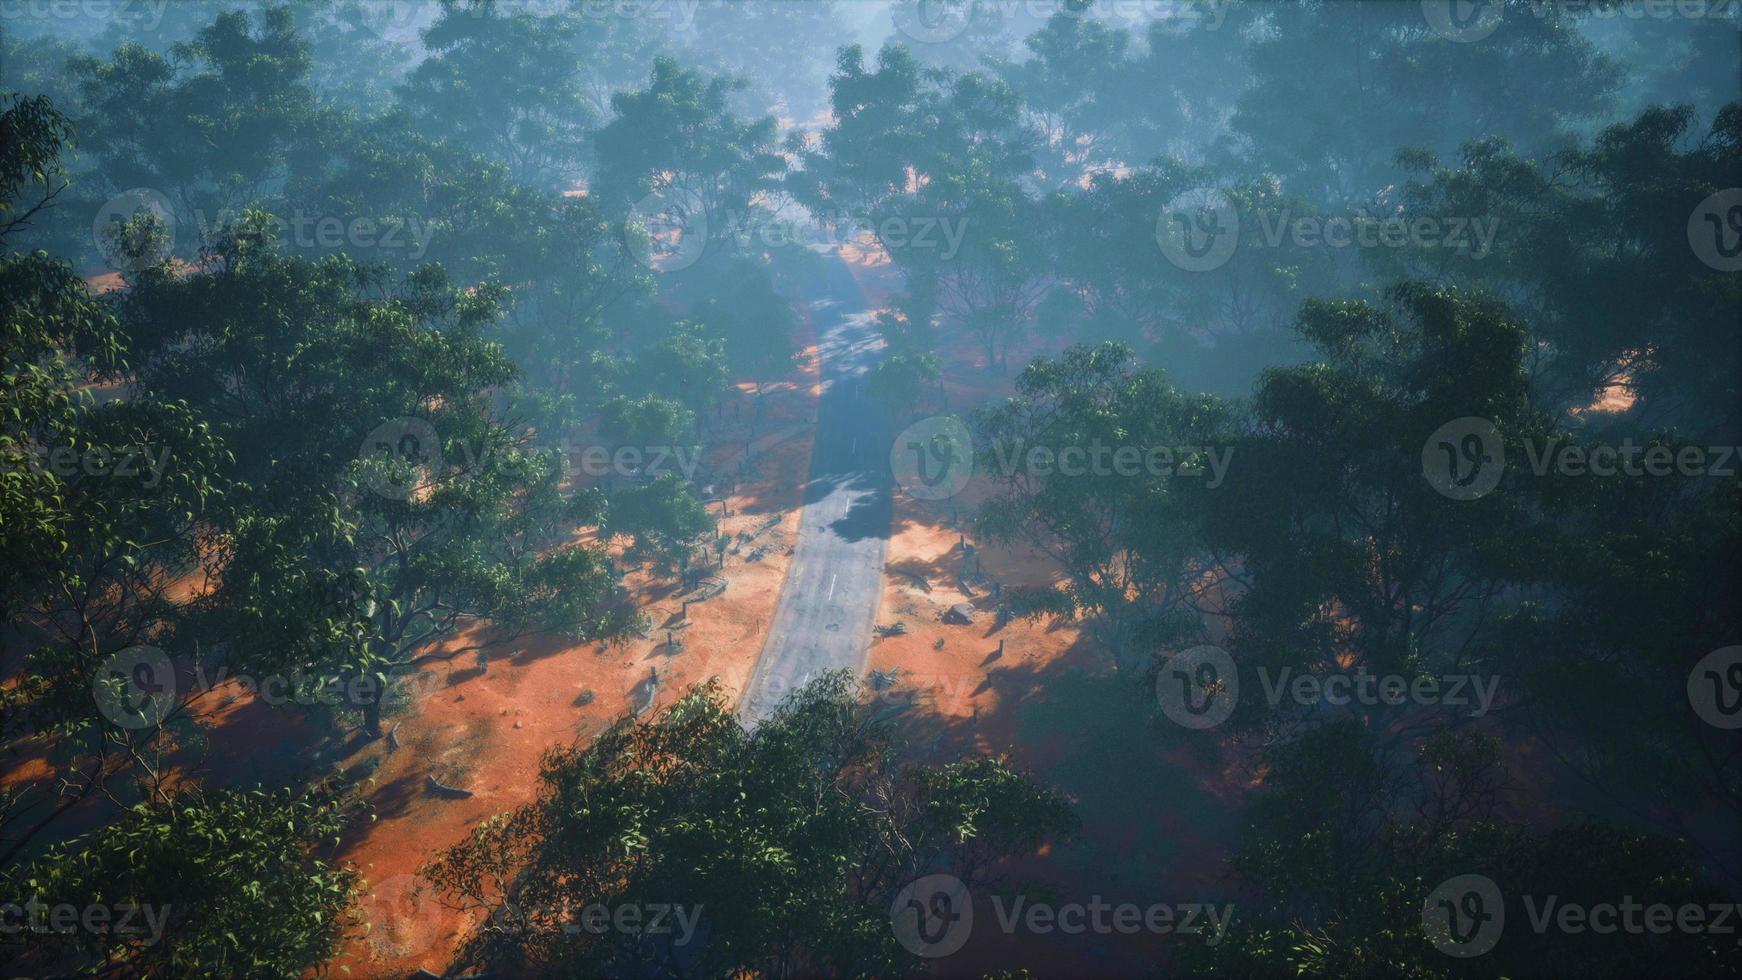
[676, 139]
[788, 843]
[1383, 77]
[1120, 519]
[936, 164]
[216, 126]
[107, 504]
[506, 83]
[1355, 854]
[386, 507]
[1351, 536]
[1615, 251]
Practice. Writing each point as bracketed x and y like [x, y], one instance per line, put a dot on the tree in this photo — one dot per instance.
[790, 841]
[677, 138]
[666, 519]
[231, 881]
[1346, 552]
[216, 126]
[386, 506]
[900, 381]
[1120, 520]
[506, 84]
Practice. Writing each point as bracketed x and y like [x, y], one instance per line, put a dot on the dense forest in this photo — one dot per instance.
[788, 488]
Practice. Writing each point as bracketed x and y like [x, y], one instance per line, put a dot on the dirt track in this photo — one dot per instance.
[835, 580]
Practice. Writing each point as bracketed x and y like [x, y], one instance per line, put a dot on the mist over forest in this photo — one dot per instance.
[794, 488]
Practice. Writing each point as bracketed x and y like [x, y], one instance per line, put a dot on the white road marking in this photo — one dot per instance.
[831, 588]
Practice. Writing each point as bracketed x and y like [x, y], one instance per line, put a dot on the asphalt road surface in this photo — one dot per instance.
[829, 601]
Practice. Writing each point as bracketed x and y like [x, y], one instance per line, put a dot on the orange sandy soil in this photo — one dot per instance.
[1157, 817]
[485, 728]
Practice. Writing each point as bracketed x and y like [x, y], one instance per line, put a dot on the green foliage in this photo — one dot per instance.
[665, 517]
[789, 840]
[1121, 520]
[224, 882]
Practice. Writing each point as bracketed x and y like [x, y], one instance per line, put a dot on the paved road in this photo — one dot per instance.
[833, 584]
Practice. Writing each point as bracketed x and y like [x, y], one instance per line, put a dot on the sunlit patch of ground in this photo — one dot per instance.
[1158, 809]
[484, 729]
